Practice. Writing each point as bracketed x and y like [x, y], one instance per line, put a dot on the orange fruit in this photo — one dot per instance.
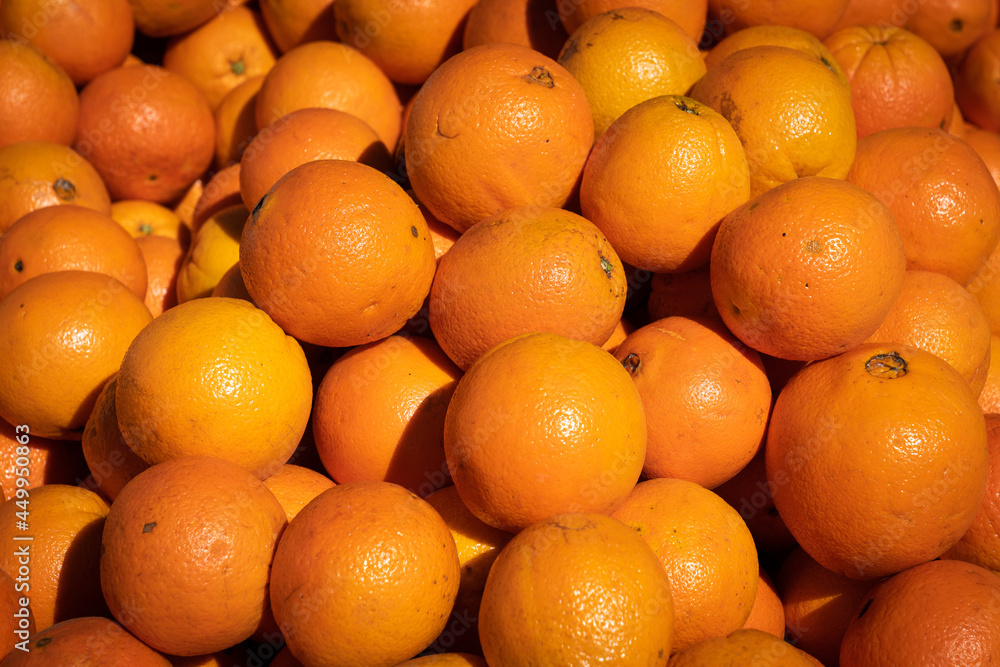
[940, 192]
[695, 433]
[689, 15]
[818, 604]
[294, 22]
[49, 461]
[478, 546]
[532, 405]
[379, 414]
[144, 218]
[294, 486]
[162, 18]
[196, 535]
[578, 575]
[792, 246]
[706, 549]
[303, 136]
[172, 400]
[668, 224]
[550, 270]
[231, 285]
[147, 131]
[974, 79]
[163, 257]
[767, 613]
[942, 612]
[37, 174]
[110, 460]
[407, 40]
[37, 98]
[872, 12]
[60, 560]
[749, 493]
[214, 249]
[936, 314]
[524, 22]
[445, 660]
[746, 646]
[621, 332]
[219, 55]
[332, 76]
[337, 254]
[65, 334]
[897, 79]
[61, 238]
[235, 121]
[814, 16]
[987, 145]
[19, 622]
[980, 544]
[220, 192]
[184, 205]
[83, 37]
[877, 458]
[628, 55]
[952, 26]
[989, 398]
[790, 110]
[774, 35]
[384, 555]
[86, 640]
[687, 294]
[471, 153]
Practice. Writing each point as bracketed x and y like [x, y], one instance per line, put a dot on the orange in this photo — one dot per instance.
[707, 551]
[818, 604]
[940, 192]
[332, 76]
[162, 18]
[294, 22]
[666, 224]
[214, 377]
[214, 249]
[687, 294]
[35, 174]
[186, 554]
[550, 270]
[303, 136]
[478, 546]
[938, 613]
[471, 150]
[746, 646]
[337, 254]
[525, 22]
[110, 460]
[543, 424]
[84, 37]
[952, 26]
[61, 238]
[235, 121]
[445, 660]
[936, 314]
[706, 398]
[294, 486]
[628, 55]
[877, 458]
[86, 640]
[774, 35]
[379, 414]
[873, 12]
[49, 461]
[37, 98]
[974, 79]
[231, 285]
[814, 16]
[980, 544]
[897, 79]
[987, 145]
[147, 131]
[767, 613]
[749, 493]
[163, 257]
[688, 14]
[816, 241]
[60, 561]
[365, 574]
[580, 576]
[184, 205]
[621, 332]
[789, 108]
[407, 40]
[989, 399]
[19, 622]
[65, 334]
[222, 53]
[220, 192]
[144, 218]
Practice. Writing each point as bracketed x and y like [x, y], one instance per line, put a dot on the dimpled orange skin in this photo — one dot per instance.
[186, 554]
[366, 574]
[808, 269]
[110, 460]
[497, 126]
[873, 473]
[337, 254]
[550, 270]
[774, 35]
[814, 16]
[577, 589]
[37, 98]
[543, 424]
[746, 646]
[294, 486]
[86, 641]
[688, 14]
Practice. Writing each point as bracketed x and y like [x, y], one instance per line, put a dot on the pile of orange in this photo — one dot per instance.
[499, 332]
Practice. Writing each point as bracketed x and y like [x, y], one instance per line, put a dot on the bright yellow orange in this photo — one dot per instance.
[744, 646]
[214, 249]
